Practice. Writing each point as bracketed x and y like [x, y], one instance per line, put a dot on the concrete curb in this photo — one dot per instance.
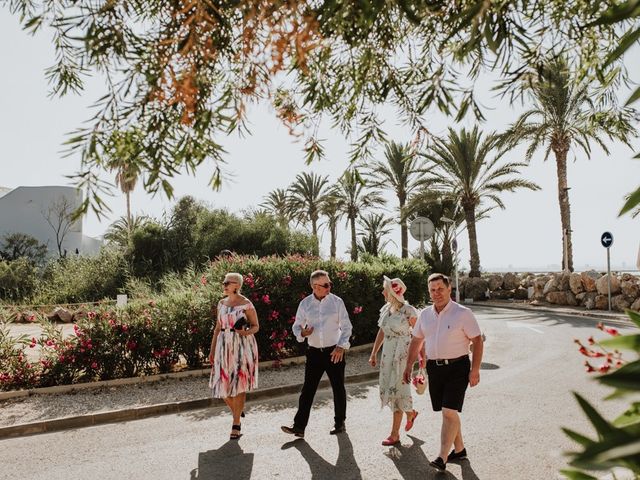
[266, 364]
[125, 415]
[596, 314]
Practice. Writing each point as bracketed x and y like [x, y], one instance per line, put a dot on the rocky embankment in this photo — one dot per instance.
[585, 289]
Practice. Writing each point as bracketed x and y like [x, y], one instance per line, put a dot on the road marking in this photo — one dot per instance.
[525, 325]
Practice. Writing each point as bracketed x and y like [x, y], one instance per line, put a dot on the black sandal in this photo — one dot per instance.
[235, 435]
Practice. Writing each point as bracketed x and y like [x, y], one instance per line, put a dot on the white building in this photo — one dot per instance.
[43, 213]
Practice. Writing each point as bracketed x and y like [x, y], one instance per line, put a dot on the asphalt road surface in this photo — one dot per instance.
[511, 425]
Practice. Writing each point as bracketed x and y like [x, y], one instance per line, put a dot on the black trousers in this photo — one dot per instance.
[319, 362]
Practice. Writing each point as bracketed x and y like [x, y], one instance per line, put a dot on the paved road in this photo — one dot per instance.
[511, 424]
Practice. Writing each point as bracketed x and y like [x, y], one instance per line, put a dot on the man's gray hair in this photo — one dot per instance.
[317, 274]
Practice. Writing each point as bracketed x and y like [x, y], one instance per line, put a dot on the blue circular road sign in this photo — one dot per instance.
[606, 239]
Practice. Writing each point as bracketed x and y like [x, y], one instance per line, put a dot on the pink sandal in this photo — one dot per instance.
[409, 424]
[389, 441]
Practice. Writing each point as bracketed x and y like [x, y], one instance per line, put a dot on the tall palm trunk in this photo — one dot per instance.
[404, 230]
[447, 254]
[314, 233]
[127, 195]
[565, 207]
[333, 230]
[354, 246]
[470, 217]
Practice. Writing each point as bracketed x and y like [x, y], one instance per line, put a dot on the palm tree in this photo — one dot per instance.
[352, 191]
[332, 208]
[402, 172]
[374, 228]
[443, 210]
[306, 197]
[124, 150]
[119, 231]
[277, 203]
[565, 115]
[464, 171]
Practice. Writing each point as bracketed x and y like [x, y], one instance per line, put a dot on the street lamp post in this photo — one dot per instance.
[454, 246]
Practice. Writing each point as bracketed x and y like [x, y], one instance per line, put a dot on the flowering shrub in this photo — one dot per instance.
[617, 442]
[154, 334]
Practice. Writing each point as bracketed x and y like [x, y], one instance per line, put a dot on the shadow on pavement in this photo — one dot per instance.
[228, 461]
[323, 398]
[345, 467]
[413, 464]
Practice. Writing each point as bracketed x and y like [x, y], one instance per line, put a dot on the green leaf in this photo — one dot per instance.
[632, 202]
[619, 13]
[578, 437]
[623, 342]
[626, 42]
[602, 426]
[577, 475]
[634, 97]
[626, 377]
[633, 316]
[630, 417]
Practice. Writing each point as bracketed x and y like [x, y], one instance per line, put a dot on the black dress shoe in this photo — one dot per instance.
[338, 429]
[439, 464]
[457, 455]
[293, 431]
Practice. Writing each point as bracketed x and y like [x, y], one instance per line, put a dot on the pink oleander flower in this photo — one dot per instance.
[203, 280]
[342, 275]
[91, 315]
[357, 310]
[274, 315]
[49, 343]
[286, 280]
[273, 335]
[610, 330]
[94, 365]
[266, 300]
[33, 342]
[132, 345]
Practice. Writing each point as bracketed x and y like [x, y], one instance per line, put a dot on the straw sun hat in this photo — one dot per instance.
[395, 287]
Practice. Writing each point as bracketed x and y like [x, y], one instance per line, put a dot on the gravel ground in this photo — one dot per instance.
[42, 407]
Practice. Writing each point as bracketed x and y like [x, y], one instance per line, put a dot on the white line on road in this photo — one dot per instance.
[525, 325]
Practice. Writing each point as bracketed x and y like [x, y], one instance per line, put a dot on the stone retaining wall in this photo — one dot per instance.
[586, 289]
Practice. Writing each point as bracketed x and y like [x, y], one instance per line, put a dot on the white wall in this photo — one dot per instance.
[24, 210]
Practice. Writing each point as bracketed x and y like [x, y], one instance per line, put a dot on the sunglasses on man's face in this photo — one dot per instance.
[227, 283]
[323, 285]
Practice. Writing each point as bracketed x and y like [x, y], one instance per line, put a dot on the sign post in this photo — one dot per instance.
[421, 229]
[606, 239]
[454, 247]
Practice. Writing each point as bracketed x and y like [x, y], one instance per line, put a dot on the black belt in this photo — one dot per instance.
[447, 361]
[321, 349]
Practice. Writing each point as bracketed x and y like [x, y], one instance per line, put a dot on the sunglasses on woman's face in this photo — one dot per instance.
[323, 285]
[227, 283]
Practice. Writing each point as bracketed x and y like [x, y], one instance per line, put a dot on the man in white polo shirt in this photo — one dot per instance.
[447, 329]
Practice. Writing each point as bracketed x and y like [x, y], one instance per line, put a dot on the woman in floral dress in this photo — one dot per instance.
[234, 351]
[397, 319]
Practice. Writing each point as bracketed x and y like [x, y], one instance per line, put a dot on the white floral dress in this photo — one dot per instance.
[395, 350]
[235, 366]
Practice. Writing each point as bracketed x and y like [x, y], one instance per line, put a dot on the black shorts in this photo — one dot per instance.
[448, 384]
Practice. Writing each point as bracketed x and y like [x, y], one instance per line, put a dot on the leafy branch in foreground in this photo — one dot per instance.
[617, 443]
[182, 73]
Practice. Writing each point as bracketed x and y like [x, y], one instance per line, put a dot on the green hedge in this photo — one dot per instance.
[152, 334]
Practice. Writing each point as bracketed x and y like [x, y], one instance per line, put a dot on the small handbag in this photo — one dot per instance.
[420, 381]
[241, 324]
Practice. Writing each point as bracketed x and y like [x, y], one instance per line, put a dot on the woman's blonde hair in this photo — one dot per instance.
[234, 277]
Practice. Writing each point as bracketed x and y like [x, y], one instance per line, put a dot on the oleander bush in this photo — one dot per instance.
[172, 327]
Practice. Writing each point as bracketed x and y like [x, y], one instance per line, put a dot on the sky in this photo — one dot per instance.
[525, 236]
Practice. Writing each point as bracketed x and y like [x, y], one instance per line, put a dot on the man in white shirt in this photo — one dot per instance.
[447, 329]
[323, 321]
